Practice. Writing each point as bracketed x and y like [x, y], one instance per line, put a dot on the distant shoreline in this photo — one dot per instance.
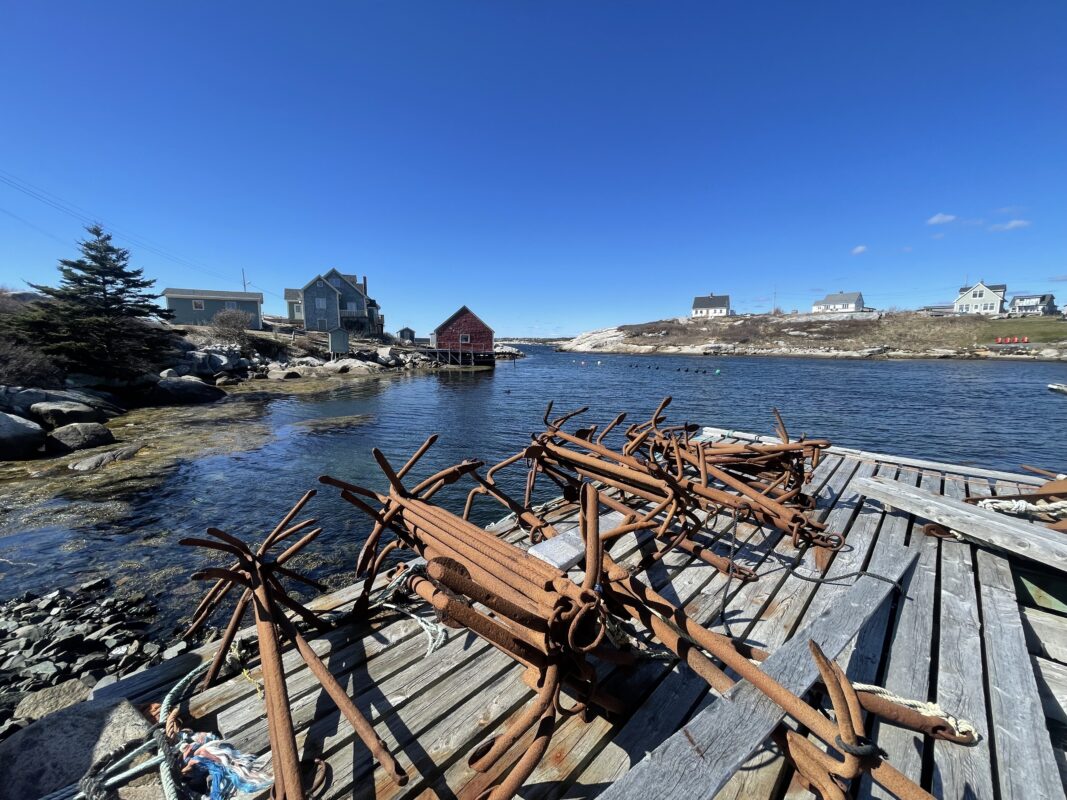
[835, 355]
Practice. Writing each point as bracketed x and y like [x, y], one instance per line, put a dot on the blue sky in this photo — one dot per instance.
[557, 166]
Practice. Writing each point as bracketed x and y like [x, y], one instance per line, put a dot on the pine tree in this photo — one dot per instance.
[99, 320]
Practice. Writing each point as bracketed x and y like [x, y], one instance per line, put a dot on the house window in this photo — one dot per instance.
[296, 308]
[231, 305]
[318, 283]
[978, 293]
[965, 308]
[353, 305]
[335, 282]
[464, 338]
[320, 302]
[198, 305]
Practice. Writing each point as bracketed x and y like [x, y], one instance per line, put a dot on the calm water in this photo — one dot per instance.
[989, 414]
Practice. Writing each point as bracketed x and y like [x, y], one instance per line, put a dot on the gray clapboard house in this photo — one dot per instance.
[335, 300]
[199, 306]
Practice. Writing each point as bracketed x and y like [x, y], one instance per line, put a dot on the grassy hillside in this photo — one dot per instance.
[904, 331]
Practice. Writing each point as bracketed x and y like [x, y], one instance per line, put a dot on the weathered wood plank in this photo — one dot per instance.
[959, 678]
[1020, 738]
[863, 656]
[727, 733]
[799, 596]
[907, 672]
[977, 524]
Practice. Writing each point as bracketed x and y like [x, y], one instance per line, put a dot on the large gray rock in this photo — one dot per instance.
[19, 437]
[52, 698]
[179, 392]
[57, 750]
[56, 413]
[79, 436]
[19, 400]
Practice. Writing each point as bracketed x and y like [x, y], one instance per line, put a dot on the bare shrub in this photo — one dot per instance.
[231, 327]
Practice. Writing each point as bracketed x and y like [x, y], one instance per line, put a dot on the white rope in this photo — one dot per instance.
[1057, 509]
[435, 632]
[961, 726]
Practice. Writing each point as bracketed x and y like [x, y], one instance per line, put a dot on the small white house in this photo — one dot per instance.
[839, 303]
[1033, 305]
[714, 305]
[982, 298]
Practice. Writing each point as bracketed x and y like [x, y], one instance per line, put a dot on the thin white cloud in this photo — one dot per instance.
[859, 249]
[937, 236]
[1010, 225]
[1058, 278]
[941, 219]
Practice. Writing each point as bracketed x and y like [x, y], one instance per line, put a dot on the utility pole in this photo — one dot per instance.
[244, 282]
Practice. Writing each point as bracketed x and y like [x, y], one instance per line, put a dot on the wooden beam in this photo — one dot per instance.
[698, 760]
[979, 525]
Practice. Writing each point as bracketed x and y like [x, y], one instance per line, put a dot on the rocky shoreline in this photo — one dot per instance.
[39, 423]
[616, 341]
[56, 648]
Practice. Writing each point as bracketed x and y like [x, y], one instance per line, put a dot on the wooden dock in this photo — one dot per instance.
[957, 634]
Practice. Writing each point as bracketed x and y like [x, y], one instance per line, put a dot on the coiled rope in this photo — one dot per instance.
[199, 754]
[1024, 508]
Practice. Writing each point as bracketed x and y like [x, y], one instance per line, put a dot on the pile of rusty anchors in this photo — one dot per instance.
[778, 470]
[546, 621]
[671, 456]
[536, 614]
[260, 576]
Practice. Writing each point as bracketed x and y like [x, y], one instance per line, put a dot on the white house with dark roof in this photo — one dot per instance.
[335, 300]
[1033, 305]
[982, 298]
[839, 303]
[712, 305]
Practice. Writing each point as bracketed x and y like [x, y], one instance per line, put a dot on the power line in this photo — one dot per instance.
[72, 210]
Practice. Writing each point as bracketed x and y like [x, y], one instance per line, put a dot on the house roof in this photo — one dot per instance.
[326, 282]
[293, 294]
[461, 310]
[840, 297]
[993, 287]
[1043, 298]
[213, 294]
[712, 301]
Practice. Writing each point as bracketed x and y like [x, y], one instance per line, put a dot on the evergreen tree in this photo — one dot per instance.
[99, 320]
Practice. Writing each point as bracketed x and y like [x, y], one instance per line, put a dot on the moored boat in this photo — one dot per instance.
[1058, 387]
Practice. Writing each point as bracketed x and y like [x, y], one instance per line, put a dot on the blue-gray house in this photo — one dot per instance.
[199, 306]
[335, 300]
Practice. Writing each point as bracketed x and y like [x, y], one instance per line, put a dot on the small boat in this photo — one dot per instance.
[1058, 387]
